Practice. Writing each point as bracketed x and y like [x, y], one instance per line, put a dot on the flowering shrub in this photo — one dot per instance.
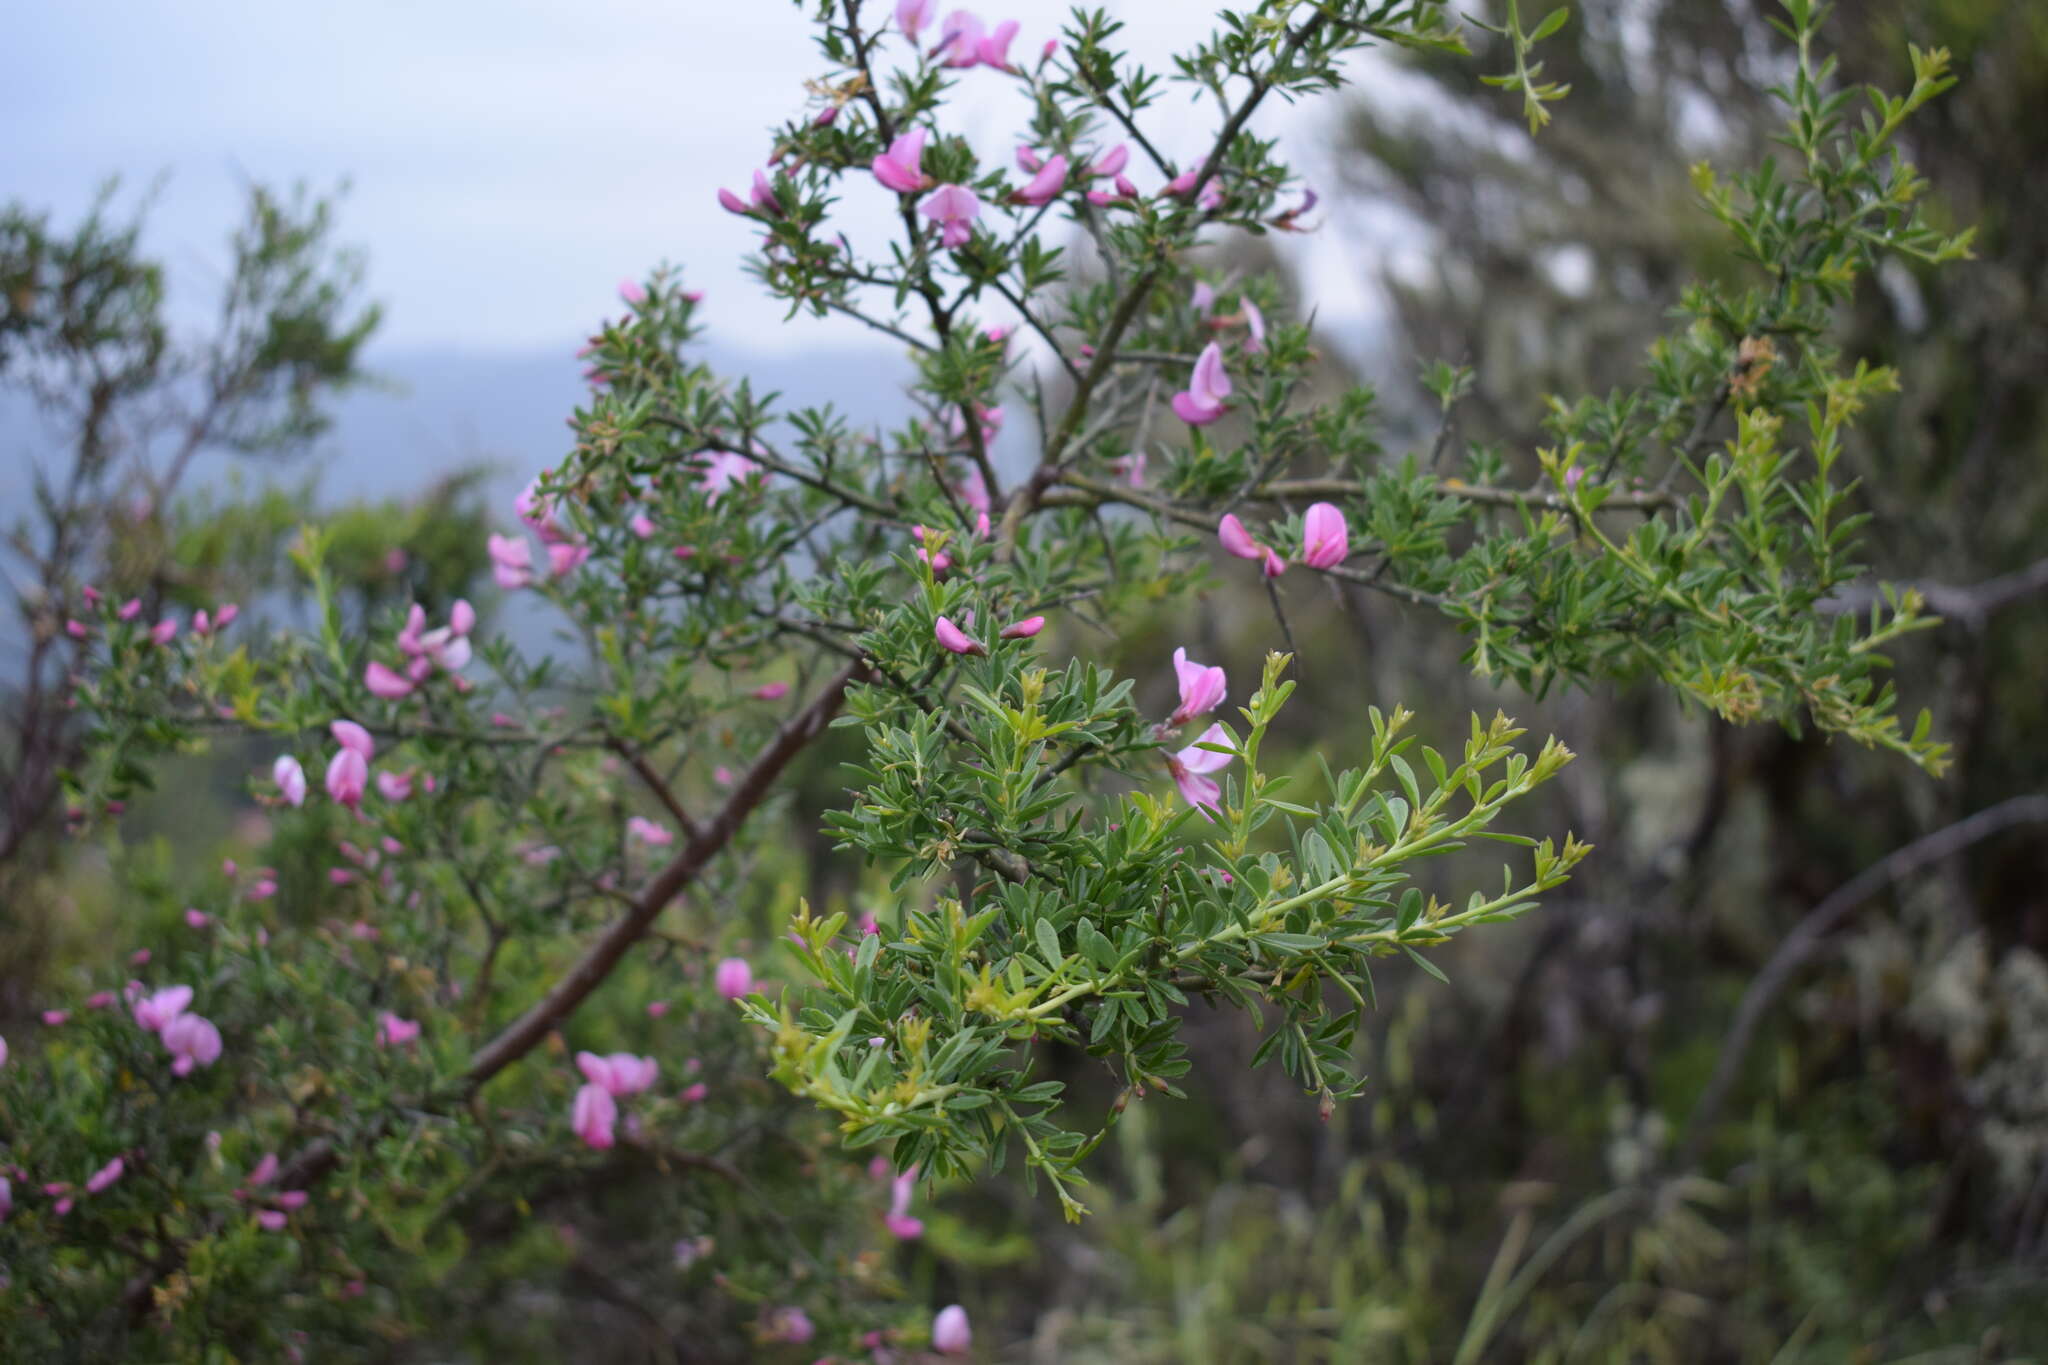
[473, 1024]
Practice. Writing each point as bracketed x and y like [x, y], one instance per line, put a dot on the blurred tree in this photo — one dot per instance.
[124, 409]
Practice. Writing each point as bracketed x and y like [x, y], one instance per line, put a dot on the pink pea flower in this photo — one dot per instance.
[1024, 629]
[261, 890]
[1573, 476]
[761, 199]
[951, 637]
[347, 775]
[565, 557]
[56, 1018]
[197, 919]
[1255, 323]
[723, 469]
[629, 1074]
[954, 208]
[290, 779]
[733, 978]
[192, 1041]
[939, 560]
[901, 168]
[394, 787]
[648, 832]
[657, 1009]
[1238, 541]
[350, 735]
[159, 1008]
[960, 38]
[1325, 537]
[1202, 688]
[1045, 186]
[201, 622]
[75, 629]
[393, 1031]
[1190, 766]
[105, 1175]
[385, 682]
[994, 50]
[695, 1093]
[511, 561]
[774, 691]
[952, 1335]
[631, 292]
[462, 617]
[593, 1115]
[791, 1325]
[270, 1220]
[1202, 402]
[163, 632]
[722, 775]
[130, 609]
[902, 1226]
[641, 525]
[98, 1000]
[913, 15]
[1203, 298]
[1111, 162]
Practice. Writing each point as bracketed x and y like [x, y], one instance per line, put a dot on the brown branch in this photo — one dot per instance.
[662, 792]
[1805, 937]
[706, 842]
[1972, 605]
[1279, 490]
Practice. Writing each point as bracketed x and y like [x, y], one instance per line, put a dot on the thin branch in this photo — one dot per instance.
[1800, 944]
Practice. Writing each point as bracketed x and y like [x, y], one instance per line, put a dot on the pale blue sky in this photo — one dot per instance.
[510, 162]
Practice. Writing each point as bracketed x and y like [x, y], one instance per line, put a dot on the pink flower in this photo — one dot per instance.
[913, 15]
[623, 1073]
[1238, 541]
[270, 1220]
[1203, 298]
[105, 1176]
[1255, 323]
[1572, 477]
[648, 832]
[657, 1008]
[733, 978]
[791, 1325]
[1190, 764]
[960, 38]
[592, 1116]
[163, 632]
[462, 617]
[197, 919]
[994, 50]
[1044, 186]
[565, 557]
[694, 1094]
[385, 682]
[511, 561]
[1024, 629]
[56, 1018]
[193, 1041]
[347, 775]
[1325, 538]
[394, 787]
[761, 199]
[350, 735]
[75, 629]
[158, 1009]
[953, 638]
[641, 525]
[901, 1225]
[774, 691]
[1202, 688]
[723, 469]
[1202, 402]
[290, 779]
[1111, 162]
[951, 1333]
[393, 1031]
[98, 1000]
[632, 293]
[261, 890]
[130, 609]
[954, 208]
[901, 168]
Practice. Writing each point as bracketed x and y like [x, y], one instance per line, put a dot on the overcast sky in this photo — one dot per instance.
[510, 162]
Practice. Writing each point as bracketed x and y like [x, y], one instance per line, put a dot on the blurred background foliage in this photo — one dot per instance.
[1532, 1176]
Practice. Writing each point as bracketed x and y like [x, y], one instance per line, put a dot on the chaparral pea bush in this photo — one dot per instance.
[488, 1033]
